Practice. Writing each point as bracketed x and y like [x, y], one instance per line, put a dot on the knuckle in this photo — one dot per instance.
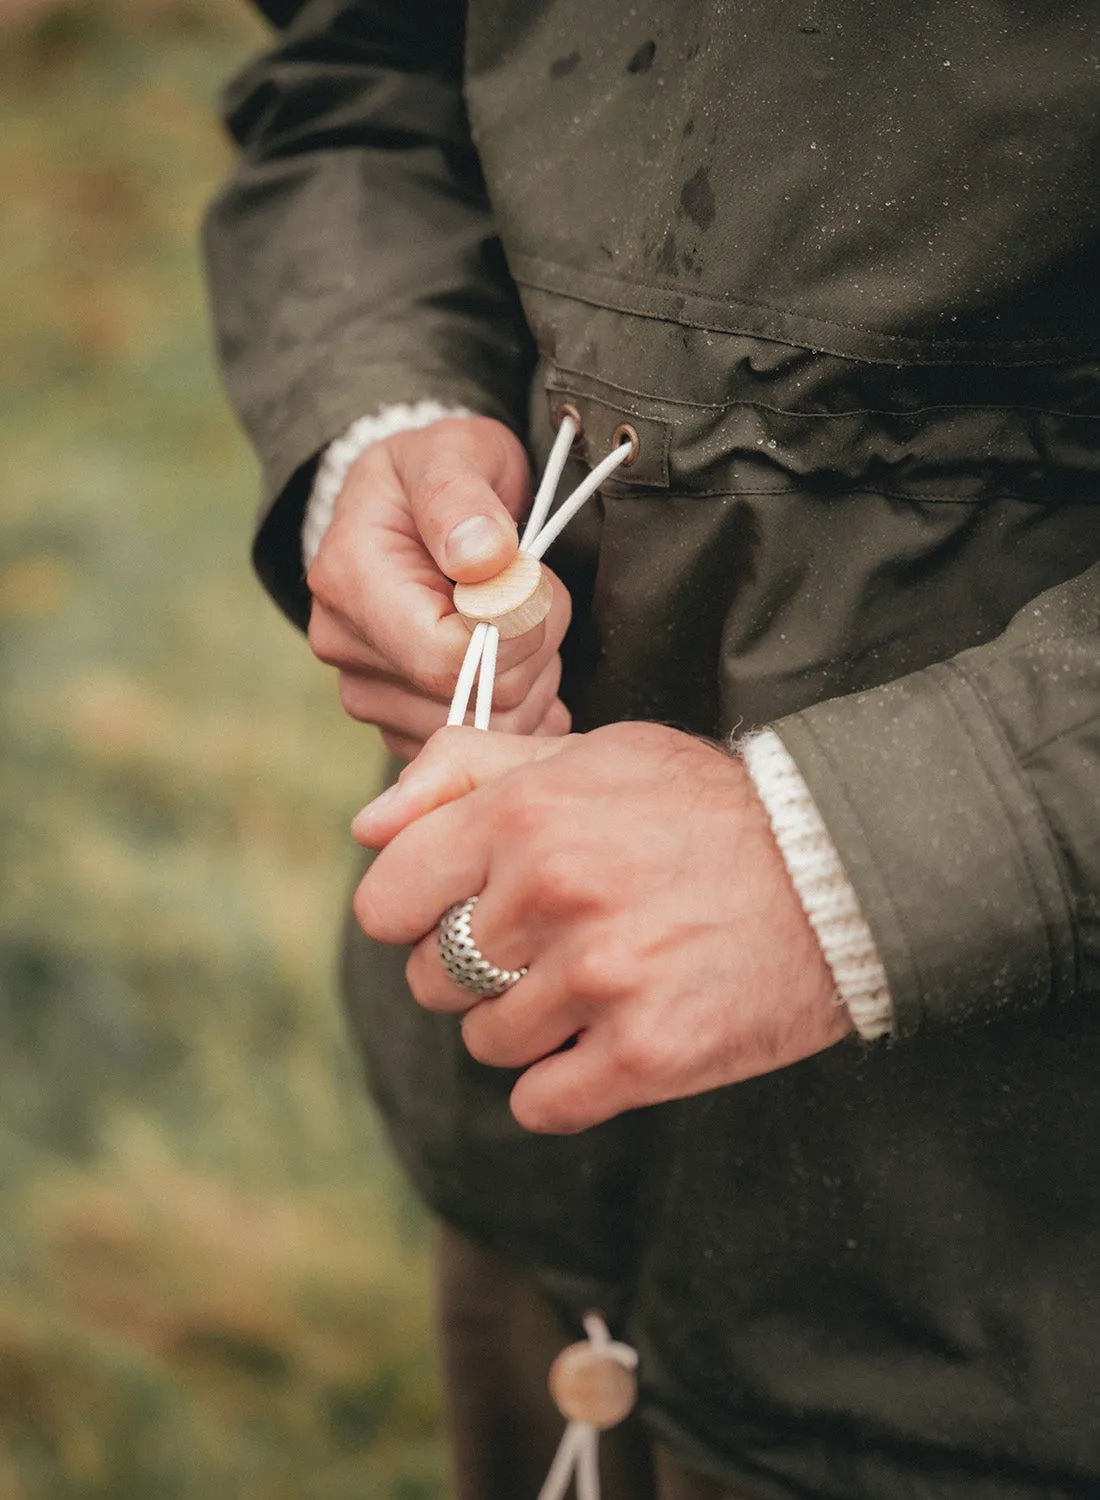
[510, 691]
[558, 720]
[322, 580]
[432, 754]
[637, 1059]
[479, 1040]
[521, 813]
[493, 437]
[591, 973]
[519, 722]
[354, 698]
[321, 636]
[558, 885]
[446, 742]
[441, 489]
[436, 680]
[487, 443]
[456, 433]
[435, 481]
[519, 649]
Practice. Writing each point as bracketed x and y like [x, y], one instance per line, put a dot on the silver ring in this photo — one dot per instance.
[463, 959]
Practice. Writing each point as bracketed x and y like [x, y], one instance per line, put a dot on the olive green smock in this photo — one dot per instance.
[838, 264]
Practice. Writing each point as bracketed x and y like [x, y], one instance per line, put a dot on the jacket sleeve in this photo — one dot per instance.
[352, 257]
[964, 801]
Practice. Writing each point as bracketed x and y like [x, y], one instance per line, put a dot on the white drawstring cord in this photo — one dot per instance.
[486, 677]
[578, 1451]
[465, 685]
[588, 1466]
[537, 537]
[551, 478]
[584, 491]
[567, 1460]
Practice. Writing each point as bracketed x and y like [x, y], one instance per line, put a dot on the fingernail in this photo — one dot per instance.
[472, 541]
[383, 803]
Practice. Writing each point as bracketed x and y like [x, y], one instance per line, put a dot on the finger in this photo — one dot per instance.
[573, 1090]
[546, 636]
[337, 643]
[401, 746]
[466, 480]
[454, 763]
[535, 704]
[381, 588]
[513, 653]
[380, 601]
[438, 860]
[530, 1021]
[557, 722]
[391, 706]
[333, 641]
[498, 933]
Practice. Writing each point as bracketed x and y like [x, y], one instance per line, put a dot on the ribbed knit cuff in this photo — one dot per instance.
[344, 450]
[821, 883]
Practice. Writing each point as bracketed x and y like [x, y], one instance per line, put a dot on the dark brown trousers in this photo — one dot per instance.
[499, 1337]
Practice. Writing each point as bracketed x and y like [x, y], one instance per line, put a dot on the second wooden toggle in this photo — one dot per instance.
[515, 600]
[590, 1385]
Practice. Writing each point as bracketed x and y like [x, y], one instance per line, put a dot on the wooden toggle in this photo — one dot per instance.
[591, 1385]
[514, 600]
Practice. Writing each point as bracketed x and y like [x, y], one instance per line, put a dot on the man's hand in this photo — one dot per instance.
[419, 511]
[634, 873]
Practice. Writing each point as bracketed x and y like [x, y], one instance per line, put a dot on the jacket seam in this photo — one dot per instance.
[606, 304]
[1052, 739]
[616, 485]
[785, 411]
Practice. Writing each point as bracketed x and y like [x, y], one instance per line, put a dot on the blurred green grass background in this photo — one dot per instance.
[212, 1282]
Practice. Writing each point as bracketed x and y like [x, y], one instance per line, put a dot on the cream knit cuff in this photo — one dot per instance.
[340, 454]
[822, 886]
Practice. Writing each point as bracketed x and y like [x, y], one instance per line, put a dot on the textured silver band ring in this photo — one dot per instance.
[463, 959]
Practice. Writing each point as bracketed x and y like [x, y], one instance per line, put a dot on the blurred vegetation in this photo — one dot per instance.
[211, 1281]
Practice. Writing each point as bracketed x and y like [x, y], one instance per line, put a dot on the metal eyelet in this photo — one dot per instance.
[567, 409]
[624, 433]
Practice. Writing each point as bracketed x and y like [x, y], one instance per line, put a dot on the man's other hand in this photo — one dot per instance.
[633, 871]
[418, 512]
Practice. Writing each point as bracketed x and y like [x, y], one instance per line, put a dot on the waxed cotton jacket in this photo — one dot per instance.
[839, 265]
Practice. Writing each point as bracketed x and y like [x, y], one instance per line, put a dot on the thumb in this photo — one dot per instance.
[467, 478]
[452, 763]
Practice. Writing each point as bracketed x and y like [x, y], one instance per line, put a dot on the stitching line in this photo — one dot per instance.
[1067, 729]
[826, 496]
[783, 411]
[608, 305]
